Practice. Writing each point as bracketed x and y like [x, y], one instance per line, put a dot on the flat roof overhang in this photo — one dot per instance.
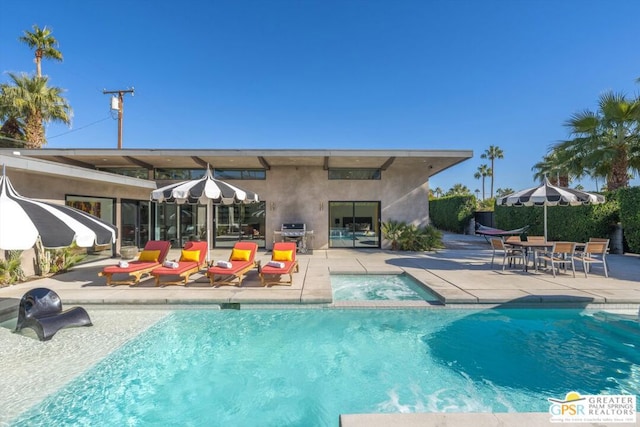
[435, 160]
[47, 168]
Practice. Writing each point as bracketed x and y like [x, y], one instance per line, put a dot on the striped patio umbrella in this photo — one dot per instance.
[549, 195]
[207, 191]
[23, 221]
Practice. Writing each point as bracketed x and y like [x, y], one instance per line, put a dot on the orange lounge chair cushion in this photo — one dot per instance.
[158, 245]
[288, 266]
[133, 267]
[183, 266]
[235, 267]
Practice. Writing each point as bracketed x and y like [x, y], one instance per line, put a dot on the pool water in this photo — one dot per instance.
[306, 367]
[377, 287]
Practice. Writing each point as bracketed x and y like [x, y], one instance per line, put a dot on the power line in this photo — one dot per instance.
[82, 127]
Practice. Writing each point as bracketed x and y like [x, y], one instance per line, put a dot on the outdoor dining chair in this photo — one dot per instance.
[595, 252]
[533, 253]
[509, 254]
[561, 254]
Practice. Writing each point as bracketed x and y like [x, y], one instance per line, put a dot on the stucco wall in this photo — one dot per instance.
[302, 194]
[55, 188]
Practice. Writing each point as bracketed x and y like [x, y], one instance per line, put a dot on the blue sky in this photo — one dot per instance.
[393, 74]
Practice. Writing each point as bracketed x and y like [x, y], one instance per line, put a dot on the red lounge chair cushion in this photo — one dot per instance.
[182, 267]
[235, 267]
[133, 266]
[288, 266]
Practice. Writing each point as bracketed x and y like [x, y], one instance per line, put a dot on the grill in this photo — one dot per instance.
[294, 232]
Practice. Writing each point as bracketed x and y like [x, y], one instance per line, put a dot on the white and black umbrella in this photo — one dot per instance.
[23, 221]
[549, 195]
[207, 191]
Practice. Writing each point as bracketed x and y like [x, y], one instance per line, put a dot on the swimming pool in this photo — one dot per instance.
[379, 287]
[305, 367]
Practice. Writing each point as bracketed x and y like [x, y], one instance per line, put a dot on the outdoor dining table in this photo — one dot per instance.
[527, 245]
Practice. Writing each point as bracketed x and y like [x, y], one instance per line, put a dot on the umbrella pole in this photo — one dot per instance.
[209, 221]
[545, 222]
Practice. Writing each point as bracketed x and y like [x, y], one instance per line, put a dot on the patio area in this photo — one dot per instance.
[460, 275]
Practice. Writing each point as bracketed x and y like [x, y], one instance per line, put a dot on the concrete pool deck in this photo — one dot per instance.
[460, 275]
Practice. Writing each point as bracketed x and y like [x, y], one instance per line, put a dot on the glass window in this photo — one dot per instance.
[187, 174]
[141, 173]
[240, 174]
[96, 206]
[178, 174]
[348, 173]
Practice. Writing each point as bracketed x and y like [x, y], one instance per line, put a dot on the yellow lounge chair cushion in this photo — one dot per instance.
[192, 256]
[240, 255]
[282, 256]
[149, 256]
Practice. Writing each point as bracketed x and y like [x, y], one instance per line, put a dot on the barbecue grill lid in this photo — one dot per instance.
[293, 226]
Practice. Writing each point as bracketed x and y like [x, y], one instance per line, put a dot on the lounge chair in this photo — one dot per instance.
[152, 256]
[241, 261]
[41, 310]
[283, 262]
[192, 259]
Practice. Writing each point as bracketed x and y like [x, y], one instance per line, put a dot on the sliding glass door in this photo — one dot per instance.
[135, 220]
[354, 224]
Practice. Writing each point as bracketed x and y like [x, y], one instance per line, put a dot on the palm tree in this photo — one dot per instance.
[32, 102]
[492, 153]
[483, 172]
[438, 192]
[503, 191]
[556, 169]
[458, 190]
[44, 44]
[606, 142]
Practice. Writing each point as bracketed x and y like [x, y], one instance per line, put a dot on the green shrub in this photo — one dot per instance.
[63, 259]
[11, 268]
[410, 237]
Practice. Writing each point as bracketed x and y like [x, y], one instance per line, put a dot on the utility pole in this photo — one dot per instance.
[118, 103]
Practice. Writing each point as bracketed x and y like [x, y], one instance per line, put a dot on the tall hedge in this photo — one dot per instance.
[572, 223]
[629, 200]
[451, 213]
